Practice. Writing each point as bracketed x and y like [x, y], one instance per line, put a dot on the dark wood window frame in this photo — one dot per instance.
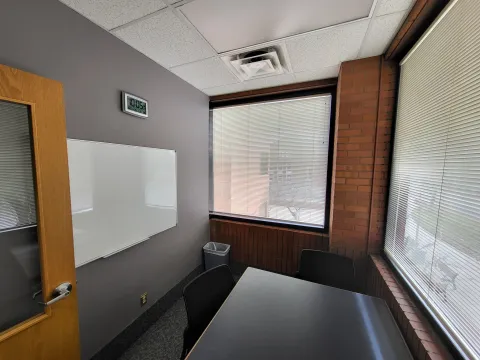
[321, 87]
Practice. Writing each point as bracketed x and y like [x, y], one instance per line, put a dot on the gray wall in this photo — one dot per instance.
[47, 38]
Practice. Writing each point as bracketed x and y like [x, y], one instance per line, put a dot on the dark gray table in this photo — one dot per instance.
[270, 316]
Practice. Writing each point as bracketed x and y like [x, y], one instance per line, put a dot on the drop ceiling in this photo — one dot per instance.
[230, 25]
[190, 37]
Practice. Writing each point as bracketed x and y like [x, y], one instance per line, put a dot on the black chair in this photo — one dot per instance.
[203, 296]
[327, 269]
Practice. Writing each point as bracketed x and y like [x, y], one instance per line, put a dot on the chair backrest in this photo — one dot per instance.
[205, 294]
[327, 269]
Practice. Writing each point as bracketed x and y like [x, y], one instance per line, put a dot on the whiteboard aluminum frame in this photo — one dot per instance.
[114, 252]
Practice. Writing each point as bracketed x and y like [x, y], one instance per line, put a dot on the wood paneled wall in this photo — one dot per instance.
[265, 247]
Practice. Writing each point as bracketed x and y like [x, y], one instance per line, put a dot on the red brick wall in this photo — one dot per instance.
[417, 331]
[365, 110]
[366, 99]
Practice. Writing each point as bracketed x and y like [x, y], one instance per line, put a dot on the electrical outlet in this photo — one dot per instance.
[143, 299]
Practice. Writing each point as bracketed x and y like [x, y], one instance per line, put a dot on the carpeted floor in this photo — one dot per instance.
[164, 339]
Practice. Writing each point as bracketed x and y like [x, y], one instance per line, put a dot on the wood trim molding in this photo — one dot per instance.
[309, 85]
[422, 15]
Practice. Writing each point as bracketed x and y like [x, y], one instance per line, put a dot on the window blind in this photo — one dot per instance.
[270, 160]
[17, 191]
[433, 222]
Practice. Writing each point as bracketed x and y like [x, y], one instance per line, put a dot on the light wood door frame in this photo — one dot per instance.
[53, 334]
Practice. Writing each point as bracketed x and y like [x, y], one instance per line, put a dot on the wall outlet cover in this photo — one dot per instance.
[143, 299]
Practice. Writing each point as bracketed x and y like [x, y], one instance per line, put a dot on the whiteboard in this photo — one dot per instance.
[120, 195]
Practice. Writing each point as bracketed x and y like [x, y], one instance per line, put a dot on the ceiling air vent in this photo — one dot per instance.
[256, 64]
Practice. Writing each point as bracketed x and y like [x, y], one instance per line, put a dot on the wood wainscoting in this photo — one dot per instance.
[266, 247]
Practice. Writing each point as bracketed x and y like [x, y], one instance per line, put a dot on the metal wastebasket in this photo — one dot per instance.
[216, 254]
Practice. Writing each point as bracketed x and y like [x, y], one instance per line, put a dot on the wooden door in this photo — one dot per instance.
[35, 221]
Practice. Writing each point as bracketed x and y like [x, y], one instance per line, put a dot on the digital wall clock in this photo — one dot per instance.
[134, 105]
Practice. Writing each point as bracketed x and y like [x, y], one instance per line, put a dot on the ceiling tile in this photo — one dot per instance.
[227, 89]
[380, 34]
[205, 73]
[234, 24]
[269, 81]
[327, 47]
[319, 74]
[113, 13]
[165, 39]
[384, 7]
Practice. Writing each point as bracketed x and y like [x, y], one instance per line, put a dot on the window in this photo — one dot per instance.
[433, 227]
[270, 160]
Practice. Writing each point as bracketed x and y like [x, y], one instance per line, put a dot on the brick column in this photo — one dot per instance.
[365, 111]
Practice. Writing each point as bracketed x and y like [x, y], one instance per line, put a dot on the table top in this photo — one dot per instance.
[271, 316]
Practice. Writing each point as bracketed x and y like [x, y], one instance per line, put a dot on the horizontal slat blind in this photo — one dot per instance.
[17, 194]
[270, 159]
[434, 209]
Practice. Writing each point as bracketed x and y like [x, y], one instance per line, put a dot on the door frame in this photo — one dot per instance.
[55, 332]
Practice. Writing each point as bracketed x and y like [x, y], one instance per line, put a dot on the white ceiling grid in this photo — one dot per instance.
[380, 34]
[110, 14]
[163, 31]
[165, 39]
[232, 24]
[391, 6]
[206, 73]
[328, 47]
[269, 81]
[322, 73]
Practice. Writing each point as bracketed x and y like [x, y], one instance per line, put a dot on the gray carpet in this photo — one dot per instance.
[164, 339]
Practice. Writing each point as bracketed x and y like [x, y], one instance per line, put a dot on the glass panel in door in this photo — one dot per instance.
[20, 276]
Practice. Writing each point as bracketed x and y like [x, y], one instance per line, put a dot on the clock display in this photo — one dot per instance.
[134, 105]
[137, 105]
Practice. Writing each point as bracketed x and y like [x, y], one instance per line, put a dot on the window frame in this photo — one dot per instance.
[452, 344]
[427, 310]
[330, 90]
